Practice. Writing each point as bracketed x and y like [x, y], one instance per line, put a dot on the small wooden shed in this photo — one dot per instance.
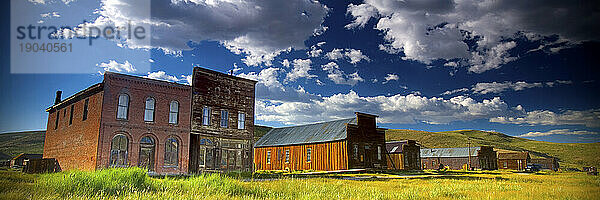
[19, 161]
[546, 163]
[403, 155]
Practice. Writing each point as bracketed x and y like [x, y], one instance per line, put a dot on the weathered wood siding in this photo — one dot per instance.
[324, 157]
[395, 161]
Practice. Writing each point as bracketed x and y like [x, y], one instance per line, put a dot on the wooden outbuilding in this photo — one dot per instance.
[459, 158]
[403, 155]
[546, 163]
[513, 160]
[21, 159]
[354, 143]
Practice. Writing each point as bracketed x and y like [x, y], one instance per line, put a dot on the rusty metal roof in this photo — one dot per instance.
[514, 156]
[305, 134]
[449, 152]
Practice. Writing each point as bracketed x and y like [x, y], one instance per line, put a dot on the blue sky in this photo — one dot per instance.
[434, 66]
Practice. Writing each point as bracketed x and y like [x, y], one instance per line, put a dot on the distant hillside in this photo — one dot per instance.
[12, 144]
[569, 154]
[259, 131]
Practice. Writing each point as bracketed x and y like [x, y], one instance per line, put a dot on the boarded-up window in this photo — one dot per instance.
[123, 106]
[241, 120]
[171, 152]
[149, 110]
[206, 116]
[268, 157]
[118, 151]
[308, 154]
[287, 156]
[224, 118]
[85, 109]
[173, 112]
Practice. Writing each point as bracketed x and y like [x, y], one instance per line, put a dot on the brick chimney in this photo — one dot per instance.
[58, 97]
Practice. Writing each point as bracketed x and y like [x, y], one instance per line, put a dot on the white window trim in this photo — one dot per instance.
[268, 157]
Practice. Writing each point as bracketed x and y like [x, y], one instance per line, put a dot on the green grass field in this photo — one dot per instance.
[574, 155]
[133, 183]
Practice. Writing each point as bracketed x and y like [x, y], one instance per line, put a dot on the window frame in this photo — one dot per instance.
[241, 121]
[153, 109]
[125, 107]
[175, 153]
[176, 112]
[224, 119]
[287, 156]
[308, 154]
[126, 152]
[268, 157]
[206, 113]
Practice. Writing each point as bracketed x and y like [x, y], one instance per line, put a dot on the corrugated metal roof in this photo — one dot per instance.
[449, 152]
[310, 133]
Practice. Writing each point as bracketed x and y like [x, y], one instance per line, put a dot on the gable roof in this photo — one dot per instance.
[305, 134]
[398, 146]
[449, 152]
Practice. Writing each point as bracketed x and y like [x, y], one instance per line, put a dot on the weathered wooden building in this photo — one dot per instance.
[459, 158]
[354, 143]
[513, 160]
[21, 159]
[546, 163]
[222, 126]
[403, 155]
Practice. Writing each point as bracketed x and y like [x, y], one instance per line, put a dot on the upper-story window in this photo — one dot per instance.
[206, 116]
[224, 118]
[173, 112]
[149, 111]
[85, 109]
[241, 121]
[123, 106]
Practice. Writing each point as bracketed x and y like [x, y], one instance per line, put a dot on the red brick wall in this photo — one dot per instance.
[453, 163]
[74, 146]
[135, 128]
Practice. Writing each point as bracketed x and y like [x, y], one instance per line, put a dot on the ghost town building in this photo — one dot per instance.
[133, 121]
[458, 158]
[546, 163]
[354, 143]
[403, 155]
[513, 160]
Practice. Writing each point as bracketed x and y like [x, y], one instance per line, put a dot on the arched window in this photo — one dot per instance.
[118, 151]
[173, 112]
[146, 159]
[123, 106]
[171, 152]
[149, 111]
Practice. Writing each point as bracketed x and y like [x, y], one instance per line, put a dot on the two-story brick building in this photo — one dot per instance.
[133, 121]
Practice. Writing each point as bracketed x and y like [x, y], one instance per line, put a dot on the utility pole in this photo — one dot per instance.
[469, 153]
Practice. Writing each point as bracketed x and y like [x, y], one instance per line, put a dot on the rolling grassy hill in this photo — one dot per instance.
[569, 154]
[12, 144]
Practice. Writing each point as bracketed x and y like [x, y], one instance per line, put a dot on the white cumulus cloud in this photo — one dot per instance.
[558, 132]
[335, 74]
[588, 118]
[114, 66]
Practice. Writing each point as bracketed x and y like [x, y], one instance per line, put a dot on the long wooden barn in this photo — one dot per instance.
[354, 143]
